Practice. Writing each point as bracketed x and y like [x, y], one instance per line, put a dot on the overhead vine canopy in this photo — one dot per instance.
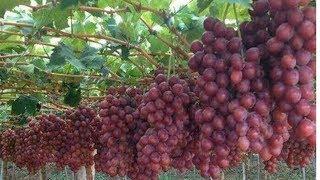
[61, 52]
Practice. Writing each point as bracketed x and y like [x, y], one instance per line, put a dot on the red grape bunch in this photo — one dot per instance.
[164, 107]
[119, 134]
[289, 44]
[79, 142]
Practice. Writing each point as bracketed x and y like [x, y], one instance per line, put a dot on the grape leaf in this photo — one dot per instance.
[27, 105]
[203, 4]
[160, 4]
[63, 54]
[91, 59]
[39, 63]
[73, 95]
[111, 3]
[156, 45]
[9, 4]
[125, 52]
[67, 3]
[3, 74]
[47, 16]
[245, 3]
[112, 27]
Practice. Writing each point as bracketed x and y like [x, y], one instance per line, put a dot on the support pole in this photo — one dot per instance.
[81, 174]
[4, 170]
[243, 171]
[43, 173]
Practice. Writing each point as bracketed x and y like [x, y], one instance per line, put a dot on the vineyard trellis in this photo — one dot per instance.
[135, 88]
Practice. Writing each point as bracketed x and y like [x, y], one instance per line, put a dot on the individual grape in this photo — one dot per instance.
[293, 94]
[288, 62]
[296, 42]
[310, 44]
[306, 29]
[310, 13]
[305, 75]
[207, 38]
[291, 77]
[303, 57]
[196, 46]
[285, 32]
[305, 128]
[209, 23]
[295, 17]
[274, 46]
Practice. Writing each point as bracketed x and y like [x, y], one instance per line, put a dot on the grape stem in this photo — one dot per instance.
[169, 68]
[237, 23]
[226, 12]
[237, 20]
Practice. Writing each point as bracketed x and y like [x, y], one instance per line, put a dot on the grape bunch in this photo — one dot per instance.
[119, 131]
[8, 140]
[78, 145]
[288, 42]
[164, 107]
[234, 97]
[35, 144]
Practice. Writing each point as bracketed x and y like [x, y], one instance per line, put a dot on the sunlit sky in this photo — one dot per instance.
[176, 4]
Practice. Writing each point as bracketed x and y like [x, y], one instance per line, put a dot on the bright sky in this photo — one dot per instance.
[176, 4]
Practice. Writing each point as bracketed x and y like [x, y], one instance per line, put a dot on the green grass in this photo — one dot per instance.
[253, 171]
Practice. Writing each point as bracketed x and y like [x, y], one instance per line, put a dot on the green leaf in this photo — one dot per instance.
[47, 16]
[39, 63]
[22, 120]
[113, 27]
[40, 77]
[3, 75]
[203, 4]
[39, 1]
[29, 69]
[125, 52]
[160, 4]
[63, 54]
[25, 105]
[73, 95]
[245, 3]
[9, 4]
[67, 3]
[111, 3]
[91, 59]
[156, 45]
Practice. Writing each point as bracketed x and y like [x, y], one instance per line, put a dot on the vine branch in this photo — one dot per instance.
[86, 37]
[178, 50]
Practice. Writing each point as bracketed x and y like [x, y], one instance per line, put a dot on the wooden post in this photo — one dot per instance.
[304, 173]
[4, 170]
[13, 172]
[90, 170]
[66, 173]
[1, 172]
[243, 171]
[222, 175]
[73, 176]
[81, 174]
[258, 167]
[43, 173]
